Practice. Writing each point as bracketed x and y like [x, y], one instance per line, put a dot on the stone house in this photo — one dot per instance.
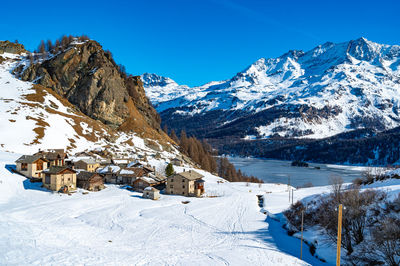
[59, 178]
[55, 156]
[110, 173]
[31, 165]
[90, 181]
[89, 165]
[187, 183]
[143, 182]
[129, 175]
[151, 193]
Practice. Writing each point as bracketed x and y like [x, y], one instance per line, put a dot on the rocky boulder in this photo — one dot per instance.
[12, 48]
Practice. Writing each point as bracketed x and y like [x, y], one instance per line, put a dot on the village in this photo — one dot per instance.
[60, 172]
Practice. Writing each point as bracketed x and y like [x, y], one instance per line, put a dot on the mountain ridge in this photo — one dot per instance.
[314, 95]
[299, 78]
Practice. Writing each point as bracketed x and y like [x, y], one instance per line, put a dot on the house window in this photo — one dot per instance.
[39, 166]
[171, 186]
[183, 180]
[183, 186]
[172, 180]
[24, 166]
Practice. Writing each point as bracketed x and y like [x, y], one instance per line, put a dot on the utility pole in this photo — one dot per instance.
[339, 235]
[301, 242]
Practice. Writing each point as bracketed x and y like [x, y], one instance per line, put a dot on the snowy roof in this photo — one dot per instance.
[151, 189]
[147, 179]
[109, 168]
[121, 161]
[89, 161]
[135, 164]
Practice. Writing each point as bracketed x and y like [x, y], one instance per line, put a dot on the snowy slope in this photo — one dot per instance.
[118, 227]
[33, 117]
[330, 89]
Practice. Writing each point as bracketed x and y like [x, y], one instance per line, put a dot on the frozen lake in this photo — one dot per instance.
[275, 171]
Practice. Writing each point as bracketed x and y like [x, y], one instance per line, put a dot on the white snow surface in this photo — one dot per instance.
[277, 202]
[118, 227]
[360, 77]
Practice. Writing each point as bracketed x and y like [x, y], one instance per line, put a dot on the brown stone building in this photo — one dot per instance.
[151, 193]
[89, 165]
[129, 175]
[90, 181]
[188, 183]
[55, 157]
[31, 165]
[58, 178]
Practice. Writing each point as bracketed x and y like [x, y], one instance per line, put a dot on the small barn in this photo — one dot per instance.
[151, 193]
[90, 181]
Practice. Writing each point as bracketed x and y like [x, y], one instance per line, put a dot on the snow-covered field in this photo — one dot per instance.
[276, 203]
[118, 227]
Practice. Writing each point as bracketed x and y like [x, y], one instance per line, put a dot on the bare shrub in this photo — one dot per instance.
[357, 182]
[336, 183]
[384, 246]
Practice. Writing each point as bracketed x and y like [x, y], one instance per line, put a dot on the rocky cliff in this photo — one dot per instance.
[88, 77]
[12, 48]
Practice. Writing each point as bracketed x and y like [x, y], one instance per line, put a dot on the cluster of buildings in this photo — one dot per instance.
[58, 172]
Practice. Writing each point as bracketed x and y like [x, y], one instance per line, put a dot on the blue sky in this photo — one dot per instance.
[194, 42]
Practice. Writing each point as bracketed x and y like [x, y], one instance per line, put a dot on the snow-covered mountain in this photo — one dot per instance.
[331, 89]
[35, 117]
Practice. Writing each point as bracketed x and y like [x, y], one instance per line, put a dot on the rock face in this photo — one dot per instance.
[10, 47]
[89, 78]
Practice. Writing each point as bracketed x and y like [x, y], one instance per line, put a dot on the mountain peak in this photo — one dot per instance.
[363, 49]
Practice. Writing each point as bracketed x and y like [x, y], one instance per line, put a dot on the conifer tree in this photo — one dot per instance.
[169, 170]
[174, 137]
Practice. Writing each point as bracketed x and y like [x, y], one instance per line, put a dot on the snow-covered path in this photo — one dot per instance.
[118, 227]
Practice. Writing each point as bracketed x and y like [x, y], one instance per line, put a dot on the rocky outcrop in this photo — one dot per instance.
[88, 77]
[12, 48]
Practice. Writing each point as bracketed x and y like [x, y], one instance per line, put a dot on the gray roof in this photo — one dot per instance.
[30, 158]
[191, 175]
[85, 176]
[57, 169]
